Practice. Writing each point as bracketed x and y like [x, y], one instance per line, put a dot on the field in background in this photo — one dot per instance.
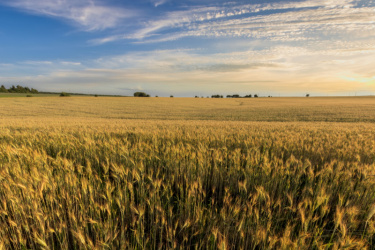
[337, 109]
[86, 172]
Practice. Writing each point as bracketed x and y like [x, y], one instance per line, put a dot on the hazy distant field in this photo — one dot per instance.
[146, 173]
[338, 109]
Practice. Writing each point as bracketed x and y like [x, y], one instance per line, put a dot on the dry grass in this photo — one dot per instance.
[338, 109]
[75, 178]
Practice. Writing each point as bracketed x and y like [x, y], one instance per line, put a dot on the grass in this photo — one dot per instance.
[50, 94]
[25, 95]
[168, 173]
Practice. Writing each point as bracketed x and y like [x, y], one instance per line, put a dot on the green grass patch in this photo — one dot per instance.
[25, 95]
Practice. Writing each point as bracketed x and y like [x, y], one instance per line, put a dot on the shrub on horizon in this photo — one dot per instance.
[64, 94]
[141, 94]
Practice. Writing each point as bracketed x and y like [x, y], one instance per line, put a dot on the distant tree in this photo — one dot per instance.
[216, 96]
[255, 95]
[171, 96]
[236, 96]
[34, 91]
[3, 89]
[196, 96]
[156, 96]
[307, 95]
[18, 89]
[248, 96]
[12, 89]
[141, 94]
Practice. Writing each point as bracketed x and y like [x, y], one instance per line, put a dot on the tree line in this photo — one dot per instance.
[17, 89]
[233, 96]
[143, 94]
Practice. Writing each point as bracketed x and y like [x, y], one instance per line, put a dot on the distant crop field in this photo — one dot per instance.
[146, 173]
[319, 109]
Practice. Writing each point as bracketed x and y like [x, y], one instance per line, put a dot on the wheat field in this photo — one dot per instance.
[317, 109]
[166, 173]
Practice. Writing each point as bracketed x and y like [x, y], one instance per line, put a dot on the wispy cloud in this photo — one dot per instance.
[367, 80]
[88, 14]
[29, 68]
[293, 26]
[158, 2]
[341, 68]
[292, 21]
[39, 63]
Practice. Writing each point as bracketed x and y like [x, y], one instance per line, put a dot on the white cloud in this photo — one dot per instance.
[38, 62]
[159, 2]
[27, 68]
[340, 67]
[291, 26]
[293, 21]
[71, 63]
[88, 14]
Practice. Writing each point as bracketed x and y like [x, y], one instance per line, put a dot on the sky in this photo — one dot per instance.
[189, 47]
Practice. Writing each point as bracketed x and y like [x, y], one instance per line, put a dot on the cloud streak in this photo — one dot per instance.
[89, 15]
[294, 21]
[159, 2]
[280, 21]
[281, 69]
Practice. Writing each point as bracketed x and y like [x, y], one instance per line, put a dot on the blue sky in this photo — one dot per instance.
[189, 47]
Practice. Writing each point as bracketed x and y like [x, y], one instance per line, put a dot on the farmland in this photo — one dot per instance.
[319, 109]
[105, 172]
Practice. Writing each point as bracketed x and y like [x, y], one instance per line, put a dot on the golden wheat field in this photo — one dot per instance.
[166, 173]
